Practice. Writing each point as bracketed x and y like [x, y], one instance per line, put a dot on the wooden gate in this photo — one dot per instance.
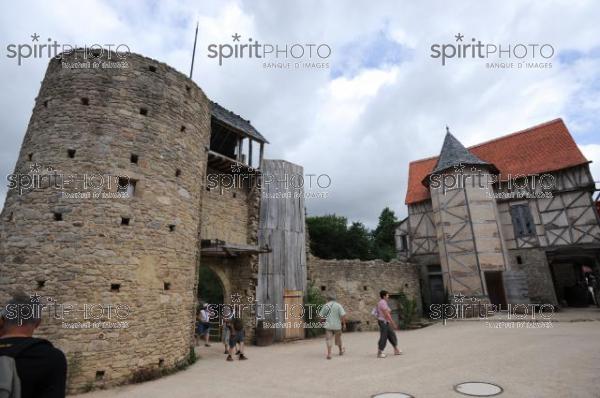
[293, 315]
[215, 331]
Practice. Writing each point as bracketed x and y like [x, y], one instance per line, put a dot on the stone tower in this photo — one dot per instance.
[469, 237]
[82, 245]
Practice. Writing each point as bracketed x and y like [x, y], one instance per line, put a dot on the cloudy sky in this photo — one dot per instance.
[382, 102]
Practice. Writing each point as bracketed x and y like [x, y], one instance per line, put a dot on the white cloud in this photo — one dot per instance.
[361, 127]
[592, 152]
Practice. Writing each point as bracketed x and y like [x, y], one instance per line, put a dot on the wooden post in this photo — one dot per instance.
[239, 154]
[260, 156]
[250, 152]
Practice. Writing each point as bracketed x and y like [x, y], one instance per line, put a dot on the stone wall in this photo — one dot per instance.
[232, 215]
[357, 284]
[539, 279]
[225, 214]
[148, 122]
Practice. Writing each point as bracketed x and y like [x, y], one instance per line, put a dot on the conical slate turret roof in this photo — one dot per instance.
[539, 149]
[454, 153]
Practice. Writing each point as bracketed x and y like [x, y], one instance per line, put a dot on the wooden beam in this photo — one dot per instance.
[250, 151]
[260, 156]
[240, 146]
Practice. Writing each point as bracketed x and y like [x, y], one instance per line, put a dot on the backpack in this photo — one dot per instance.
[10, 383]
[238, 324]
[375, 312]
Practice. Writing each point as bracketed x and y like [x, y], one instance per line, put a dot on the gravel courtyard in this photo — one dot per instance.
[561, 361]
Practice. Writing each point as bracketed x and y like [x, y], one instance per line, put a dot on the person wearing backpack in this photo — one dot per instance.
[29, 367]
[236, 336]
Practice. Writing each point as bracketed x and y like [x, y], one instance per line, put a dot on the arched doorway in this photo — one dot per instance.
[211, 290]
[210, 287]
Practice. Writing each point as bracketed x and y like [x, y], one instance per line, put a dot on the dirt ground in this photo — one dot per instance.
[558, 361]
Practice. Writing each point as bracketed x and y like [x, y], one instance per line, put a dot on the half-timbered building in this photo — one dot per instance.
[511, 220]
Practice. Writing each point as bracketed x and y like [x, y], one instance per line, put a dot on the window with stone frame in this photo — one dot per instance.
[522, 221]
[127, 185]
[403, 243]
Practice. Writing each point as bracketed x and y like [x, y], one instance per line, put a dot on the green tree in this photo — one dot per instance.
[327, 236]
[330, 237]
[383, 236]
[359, 242]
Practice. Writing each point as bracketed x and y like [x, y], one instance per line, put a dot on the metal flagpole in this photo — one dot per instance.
[194, 52]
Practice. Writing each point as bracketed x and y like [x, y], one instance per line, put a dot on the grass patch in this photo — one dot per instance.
[151, 373]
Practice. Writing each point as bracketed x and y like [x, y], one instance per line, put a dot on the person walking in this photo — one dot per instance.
[236, 337]
[226, 333]
[590, 281]
[203, 328]
[386, 325]
[335, 320]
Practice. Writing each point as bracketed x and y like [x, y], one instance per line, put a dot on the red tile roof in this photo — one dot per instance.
[542, 148]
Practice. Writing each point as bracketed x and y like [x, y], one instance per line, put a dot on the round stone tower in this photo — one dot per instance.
[108, 235]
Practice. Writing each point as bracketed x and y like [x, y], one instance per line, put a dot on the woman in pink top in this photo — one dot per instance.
[386, 325]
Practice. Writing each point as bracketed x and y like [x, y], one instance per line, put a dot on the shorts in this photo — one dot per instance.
[236, 337]
[202, 328]
[226, 334]
[330, 335]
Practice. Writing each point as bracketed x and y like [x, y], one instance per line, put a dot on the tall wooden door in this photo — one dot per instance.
[495, 288]
[436, 289]
[293, 299]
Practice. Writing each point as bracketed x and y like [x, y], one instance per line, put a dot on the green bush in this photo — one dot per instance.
[192, 358]
[315, 298]
[408, 310]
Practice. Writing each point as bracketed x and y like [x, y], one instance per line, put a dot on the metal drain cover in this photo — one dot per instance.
[478, 389]
[392, 395]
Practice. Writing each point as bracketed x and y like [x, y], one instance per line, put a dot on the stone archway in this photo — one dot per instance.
[238, 282]
[213, 285]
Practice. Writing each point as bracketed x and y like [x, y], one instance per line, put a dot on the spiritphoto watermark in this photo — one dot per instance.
[71, 316]
[513, 315]
[272, 185]
[288, 56]
[72, 185]
[80, 56]
[513, 55]
[273, 316]
[517, 186]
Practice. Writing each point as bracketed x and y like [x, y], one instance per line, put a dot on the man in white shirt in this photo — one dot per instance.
[335, 320]
[203, 327]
